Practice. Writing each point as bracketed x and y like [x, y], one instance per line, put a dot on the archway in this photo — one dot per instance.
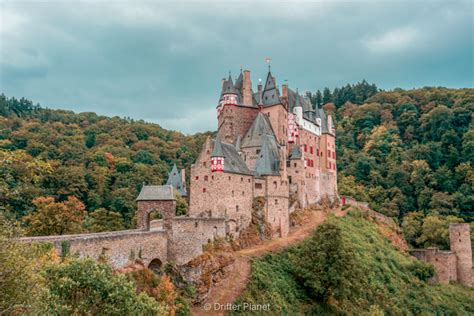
[155, 266]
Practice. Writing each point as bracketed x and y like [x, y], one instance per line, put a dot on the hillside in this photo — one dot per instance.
[101, 161]
[348, 266]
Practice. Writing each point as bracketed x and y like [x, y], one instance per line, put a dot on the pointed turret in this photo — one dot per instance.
[239, 82]
[217, 157]
[270, 95]
[229, 94]
[176, 180]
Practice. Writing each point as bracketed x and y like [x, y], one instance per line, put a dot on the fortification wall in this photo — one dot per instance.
[189, 234]
[444, 263]
[298, 181]
[116, 246]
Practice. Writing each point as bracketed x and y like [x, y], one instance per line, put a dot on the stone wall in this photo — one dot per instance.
[221, 194]
[189, 234]
[235, 120]
[278, 117]
[277, 208]
[167, 209]
[298, 181]
[116, 246]
[444, 263]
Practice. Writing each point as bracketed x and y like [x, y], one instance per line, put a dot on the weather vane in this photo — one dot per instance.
[268, 60]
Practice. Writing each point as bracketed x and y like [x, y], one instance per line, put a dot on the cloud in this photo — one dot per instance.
[398, 40]
[163, 61]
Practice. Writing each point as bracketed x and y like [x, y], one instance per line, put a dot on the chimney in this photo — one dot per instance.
[247, 89]
[222, 83]
[260, 88]
[284, 94]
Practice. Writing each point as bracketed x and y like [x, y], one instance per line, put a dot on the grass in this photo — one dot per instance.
[394, 282]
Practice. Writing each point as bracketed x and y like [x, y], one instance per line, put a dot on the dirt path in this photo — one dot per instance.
[230, 288]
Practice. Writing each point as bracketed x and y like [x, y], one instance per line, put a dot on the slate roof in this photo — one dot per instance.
[268, 163]
[239, 82]
[217, 151]
[324, 121]
[255, 135]
[174, 179]
[295, 152]
[156, 193]
[271, 94]
[229, 87]
[232, 161]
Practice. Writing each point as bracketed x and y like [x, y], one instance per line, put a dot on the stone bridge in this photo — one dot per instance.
[170, 240]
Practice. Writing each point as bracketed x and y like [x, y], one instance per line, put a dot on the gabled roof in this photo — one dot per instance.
[156, 193]
[295, 152]
[217, 151]
[268, 163]
[270, 95]
[255, 135]
[174, 179]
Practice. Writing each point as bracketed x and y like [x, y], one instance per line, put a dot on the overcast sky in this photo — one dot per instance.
[163, 62]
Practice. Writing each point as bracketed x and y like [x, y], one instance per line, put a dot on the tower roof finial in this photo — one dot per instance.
[268, 60]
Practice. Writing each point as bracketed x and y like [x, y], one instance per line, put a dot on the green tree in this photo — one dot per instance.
[102, 220]
[83, 287]
[435, 231]
[328, 265]
[412, 227]
[181, 205]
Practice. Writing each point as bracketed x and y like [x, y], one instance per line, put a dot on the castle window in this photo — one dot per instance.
[236, 208]
[258, 151]
[212, 177]
[275, 184]
[241, 179]
[230, 178]
[204, 164]
[196, 224]
[232, 193]
[203, 190]
[243, 193]
[276, 202]
[258, 185]
[294, 165]
[249, 180]
[305, 148]
[208, 152]
[206, 178]
[197, 178]
[310, 149]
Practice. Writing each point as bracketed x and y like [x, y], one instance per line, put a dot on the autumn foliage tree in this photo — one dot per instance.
[55, 218]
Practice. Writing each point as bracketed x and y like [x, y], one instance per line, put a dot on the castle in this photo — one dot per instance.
[269, 144]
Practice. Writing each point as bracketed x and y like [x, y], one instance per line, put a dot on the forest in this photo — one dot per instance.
[409, 153]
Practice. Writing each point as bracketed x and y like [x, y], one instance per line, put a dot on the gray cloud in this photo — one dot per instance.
[163, 62]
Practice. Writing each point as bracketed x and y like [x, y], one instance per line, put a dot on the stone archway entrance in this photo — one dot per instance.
[155, 198]
[155, 266]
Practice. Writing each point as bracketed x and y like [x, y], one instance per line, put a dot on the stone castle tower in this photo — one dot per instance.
[270, 143]
[460, 243]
